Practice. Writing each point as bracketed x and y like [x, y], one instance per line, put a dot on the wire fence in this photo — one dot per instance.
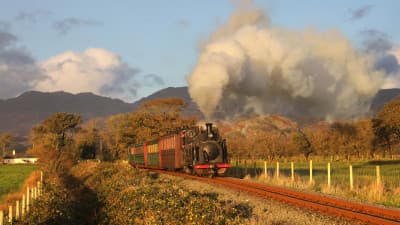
[349, 175]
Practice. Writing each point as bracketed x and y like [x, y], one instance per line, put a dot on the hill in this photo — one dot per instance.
[174, 92]
[18, 115]
[382, 97]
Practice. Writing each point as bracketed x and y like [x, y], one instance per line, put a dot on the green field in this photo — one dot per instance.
[365, 182]
[12, 177]
[362, 171]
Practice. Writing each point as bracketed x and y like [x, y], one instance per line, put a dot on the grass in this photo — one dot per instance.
[12, 178]
[365, 185]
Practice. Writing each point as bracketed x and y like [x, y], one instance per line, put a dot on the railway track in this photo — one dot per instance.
[355, 211]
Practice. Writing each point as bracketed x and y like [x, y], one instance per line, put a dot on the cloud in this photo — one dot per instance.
[18, 69]
[385, 54]
[67, 24]
[375, 41]
[249, 67]
[360, 12]
[390, 64]
[151, 80]
[94, 70]
[6, 39]
[32, 16]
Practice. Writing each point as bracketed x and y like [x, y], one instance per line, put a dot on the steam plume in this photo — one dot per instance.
[250, 67]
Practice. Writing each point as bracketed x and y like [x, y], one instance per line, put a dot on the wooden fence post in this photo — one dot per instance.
[378, 175]
[38, 188]
[23, 206]
[17, 209]
[32, 196]
[292, 170]
[311, 179]
[1, 217]
[351, 177]
[27, 199]
[277, 169]
[265, 170]
[10, 218]
[329, 175]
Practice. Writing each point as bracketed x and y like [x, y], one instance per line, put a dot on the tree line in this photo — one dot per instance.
[62, 139]
[368, 138]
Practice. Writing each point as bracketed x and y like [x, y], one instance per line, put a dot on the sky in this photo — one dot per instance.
[129, 49]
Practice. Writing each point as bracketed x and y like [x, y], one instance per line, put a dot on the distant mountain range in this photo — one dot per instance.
[19, 114]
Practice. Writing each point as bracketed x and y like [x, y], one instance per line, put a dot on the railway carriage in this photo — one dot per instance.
[195, 150]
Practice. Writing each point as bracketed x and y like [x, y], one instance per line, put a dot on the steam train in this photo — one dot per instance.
[195, 150]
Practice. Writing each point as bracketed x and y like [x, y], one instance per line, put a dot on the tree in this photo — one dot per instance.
[302, 143]
[344, 135]
[88, 139]
[390, 117]
[365, 138]
[52, 140]
[6, 139]
[386, 127]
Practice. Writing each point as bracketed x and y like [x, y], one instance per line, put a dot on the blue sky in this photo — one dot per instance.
[161, 38]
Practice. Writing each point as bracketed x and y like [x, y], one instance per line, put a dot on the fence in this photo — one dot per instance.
[21, 207]
[327, 174]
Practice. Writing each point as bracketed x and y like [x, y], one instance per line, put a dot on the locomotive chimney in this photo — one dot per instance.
[209, 129]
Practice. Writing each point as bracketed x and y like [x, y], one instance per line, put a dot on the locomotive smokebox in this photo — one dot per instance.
[209, 130]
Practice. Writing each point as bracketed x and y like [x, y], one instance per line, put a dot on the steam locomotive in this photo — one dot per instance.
[195, 150]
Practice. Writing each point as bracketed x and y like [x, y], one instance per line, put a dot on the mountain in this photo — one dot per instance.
[174, 92]
[382, 97]
[18, 115]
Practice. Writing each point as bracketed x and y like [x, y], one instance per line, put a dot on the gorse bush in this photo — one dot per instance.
[116, 193]
[132, 197]
[55, 206]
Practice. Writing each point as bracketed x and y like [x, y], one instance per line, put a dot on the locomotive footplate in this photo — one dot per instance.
[211, 169]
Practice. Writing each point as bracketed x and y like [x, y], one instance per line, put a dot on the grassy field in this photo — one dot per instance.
[12, 178]
[365, 186]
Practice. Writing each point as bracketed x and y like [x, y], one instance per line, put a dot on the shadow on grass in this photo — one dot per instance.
[383, 162]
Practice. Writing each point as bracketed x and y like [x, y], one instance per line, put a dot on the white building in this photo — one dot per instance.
[19, 160]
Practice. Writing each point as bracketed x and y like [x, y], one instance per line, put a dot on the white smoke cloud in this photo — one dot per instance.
[94, 70]
[249, 67]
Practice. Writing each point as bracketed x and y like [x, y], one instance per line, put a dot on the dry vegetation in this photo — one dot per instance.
[116, 193]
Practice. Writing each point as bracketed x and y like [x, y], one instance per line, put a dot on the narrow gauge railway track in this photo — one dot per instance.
[333, 206]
